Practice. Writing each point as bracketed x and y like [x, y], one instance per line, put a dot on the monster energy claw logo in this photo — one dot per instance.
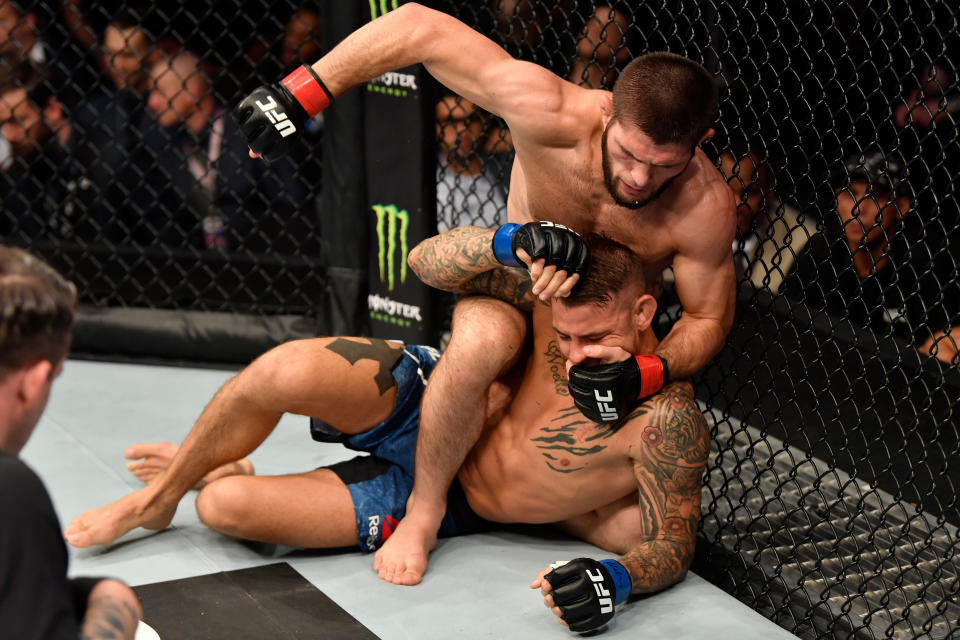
[384, 6]
[387, 218]
[392, 226]
[391, 83]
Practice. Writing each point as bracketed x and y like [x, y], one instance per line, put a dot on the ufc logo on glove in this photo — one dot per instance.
[603, 594]
[279, 119]
[607, 412]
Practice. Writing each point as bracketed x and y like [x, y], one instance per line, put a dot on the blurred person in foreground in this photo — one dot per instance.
[37, 600]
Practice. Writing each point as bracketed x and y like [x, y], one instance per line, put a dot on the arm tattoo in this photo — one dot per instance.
[108, 619]
[461, 260]
[669, 460]
[559, 442]
[387, 354]
[504, 284]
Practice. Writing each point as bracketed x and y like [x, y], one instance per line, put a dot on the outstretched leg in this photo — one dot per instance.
[486, 339]
[338, 380]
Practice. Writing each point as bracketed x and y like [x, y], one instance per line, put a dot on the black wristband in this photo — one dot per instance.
[319, 82]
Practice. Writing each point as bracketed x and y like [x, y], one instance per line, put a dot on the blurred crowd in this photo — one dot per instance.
[886, 256]
[116, 131]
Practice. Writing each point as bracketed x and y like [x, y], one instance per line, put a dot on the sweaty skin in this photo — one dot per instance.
[632, 487]
[557, 129]
[542, 461]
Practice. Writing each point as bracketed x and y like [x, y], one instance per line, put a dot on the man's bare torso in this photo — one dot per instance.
[540, 460]
[564, 183]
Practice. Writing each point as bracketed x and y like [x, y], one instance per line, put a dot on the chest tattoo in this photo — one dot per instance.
[564, 444]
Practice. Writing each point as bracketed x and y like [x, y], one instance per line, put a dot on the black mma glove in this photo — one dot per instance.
[271, 118]
[555, 243]
[587, 590]
[607, 392]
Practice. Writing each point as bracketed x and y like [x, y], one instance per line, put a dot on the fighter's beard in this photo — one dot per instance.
[612, 187]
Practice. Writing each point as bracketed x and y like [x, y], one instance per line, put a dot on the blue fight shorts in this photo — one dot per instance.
[380, 483]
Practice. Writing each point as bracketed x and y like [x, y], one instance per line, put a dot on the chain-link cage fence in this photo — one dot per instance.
[830, 503]
[122, 166]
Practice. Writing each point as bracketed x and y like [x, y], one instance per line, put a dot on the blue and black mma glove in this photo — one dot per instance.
[272, 117]
[587, 590]
[555, 243]
[606, 393]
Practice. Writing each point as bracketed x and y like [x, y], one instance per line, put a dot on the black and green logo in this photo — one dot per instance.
[380, 7]
[392, 83]
[392, 227]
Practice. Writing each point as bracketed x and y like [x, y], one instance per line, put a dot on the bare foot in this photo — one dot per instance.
[403, 557]
[149, 460]
[105, 524]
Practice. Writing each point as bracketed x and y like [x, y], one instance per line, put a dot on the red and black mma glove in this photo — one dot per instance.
[606, 393]
[271, 118]
[555, 243]
[587, 590]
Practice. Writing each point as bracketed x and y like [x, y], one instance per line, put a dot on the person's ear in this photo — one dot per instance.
[606, 109]
[644, 310]
[709, 134]
[33, 383]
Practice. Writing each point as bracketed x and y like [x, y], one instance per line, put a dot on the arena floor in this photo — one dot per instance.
[477, 586]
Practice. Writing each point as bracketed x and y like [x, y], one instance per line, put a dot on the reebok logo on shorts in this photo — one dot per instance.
[378, 530]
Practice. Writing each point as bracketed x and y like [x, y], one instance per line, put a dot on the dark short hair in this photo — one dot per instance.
[672, 99]
[885, 172]
[36, 311]
[611, 267]
[135, 16]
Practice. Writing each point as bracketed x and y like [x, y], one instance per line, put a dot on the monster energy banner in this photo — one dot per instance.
[401, 192]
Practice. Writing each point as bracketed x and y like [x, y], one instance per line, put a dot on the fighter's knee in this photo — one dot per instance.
[273, 361]
[221, 505]
[274, 373]
[487, 323]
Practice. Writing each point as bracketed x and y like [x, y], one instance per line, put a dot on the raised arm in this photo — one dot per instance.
[462, 59]
[530, 98]
[462, 261]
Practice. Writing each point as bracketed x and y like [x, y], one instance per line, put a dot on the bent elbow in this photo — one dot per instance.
[415, 259]
[423, 23]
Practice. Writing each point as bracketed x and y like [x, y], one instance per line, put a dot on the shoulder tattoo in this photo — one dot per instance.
[675, 426]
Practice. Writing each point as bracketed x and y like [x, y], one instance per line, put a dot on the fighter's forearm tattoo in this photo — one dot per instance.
[656, 565]
[461, 260]
[669, 468]
[108, 619]
[504, 284]
[387, 354]
[563, 440]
